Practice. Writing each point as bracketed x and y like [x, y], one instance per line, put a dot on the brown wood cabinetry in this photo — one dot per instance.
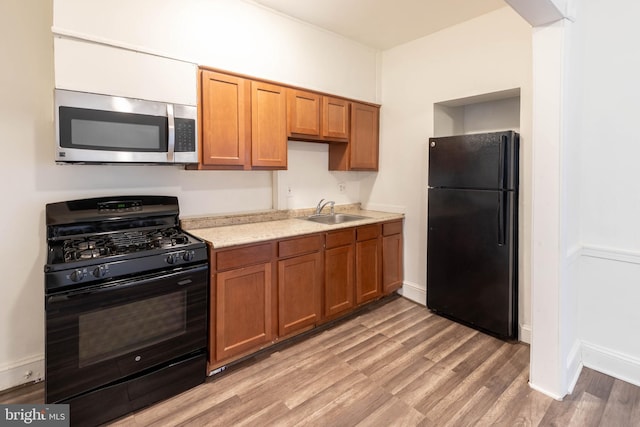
[339, 273]
[303, 113]
[312, 116]
[361, 153]
[299, 284]
[242, 123]
[242, 301]
[335, 118]
[368, 272]
[265, 291]
[268, 126]
[392, 257]
[225, 109]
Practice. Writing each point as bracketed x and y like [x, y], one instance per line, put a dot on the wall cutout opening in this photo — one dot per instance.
[488, 112]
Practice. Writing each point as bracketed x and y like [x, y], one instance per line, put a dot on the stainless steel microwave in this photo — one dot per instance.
[93, 128]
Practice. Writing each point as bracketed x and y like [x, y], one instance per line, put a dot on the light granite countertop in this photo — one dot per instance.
[286, 224]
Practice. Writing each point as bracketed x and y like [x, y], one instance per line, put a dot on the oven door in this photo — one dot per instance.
[99, 335]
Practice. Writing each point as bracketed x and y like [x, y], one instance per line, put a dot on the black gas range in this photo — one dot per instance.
[93, 240]
[126, 297]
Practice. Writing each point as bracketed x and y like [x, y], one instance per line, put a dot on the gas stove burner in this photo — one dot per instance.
[167, 238]
[89, 253]
[90, 244]
[78, 249]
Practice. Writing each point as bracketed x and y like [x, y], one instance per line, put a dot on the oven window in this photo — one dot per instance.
[115, 331]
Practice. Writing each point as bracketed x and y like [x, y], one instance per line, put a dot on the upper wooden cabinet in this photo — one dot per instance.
[225, 108]
[303, 113]
[245, 123]
[242, 122]
[361, 153]
[335, 118]
[268, 126]
[312, 116]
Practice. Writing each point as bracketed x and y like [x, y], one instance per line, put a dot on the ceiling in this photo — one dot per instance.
[383, 24]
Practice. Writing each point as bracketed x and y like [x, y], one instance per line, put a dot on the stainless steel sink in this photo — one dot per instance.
[338, 218]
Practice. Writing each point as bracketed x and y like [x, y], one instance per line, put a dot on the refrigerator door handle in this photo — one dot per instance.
[501, 218]
[503, 145]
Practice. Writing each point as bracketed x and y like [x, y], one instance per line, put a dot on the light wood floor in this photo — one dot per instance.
[398, 365]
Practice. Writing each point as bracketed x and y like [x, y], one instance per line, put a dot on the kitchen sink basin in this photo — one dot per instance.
[338, 218]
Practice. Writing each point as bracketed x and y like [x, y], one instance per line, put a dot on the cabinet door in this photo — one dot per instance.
[392, 263]
[335, 118]
[225, 124]
[339, 276]
[243, 310]
[303, 113]
[268, 126]
[363, 145]
[299, 287]
[367, 270]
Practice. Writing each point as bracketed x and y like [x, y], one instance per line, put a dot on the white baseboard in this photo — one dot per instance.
[17, 373]
[524, 334]
[574, 365]
[617, 365]
[414, 292]
[543, 391]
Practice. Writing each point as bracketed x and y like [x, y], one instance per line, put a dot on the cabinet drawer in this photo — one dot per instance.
[240, 257]
[367, 232]
[299, 246]
[392, 228]
[340, 238]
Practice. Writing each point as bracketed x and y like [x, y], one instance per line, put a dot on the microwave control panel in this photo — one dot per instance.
[185, 135]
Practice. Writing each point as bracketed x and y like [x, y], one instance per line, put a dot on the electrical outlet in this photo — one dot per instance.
[342, 187]
[289, 191]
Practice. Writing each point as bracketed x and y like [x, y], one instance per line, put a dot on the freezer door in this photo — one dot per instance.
[471, 258]
[488, 160]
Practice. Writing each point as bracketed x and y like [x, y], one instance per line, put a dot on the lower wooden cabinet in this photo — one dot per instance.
[242, 310]
[299, 293]
[368, 253]
[339, 273]
[392, 257]
[265, 291]
[299, 283]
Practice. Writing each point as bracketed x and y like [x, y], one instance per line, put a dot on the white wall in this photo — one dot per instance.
[232, 35]
[488, 54]
[606, 69]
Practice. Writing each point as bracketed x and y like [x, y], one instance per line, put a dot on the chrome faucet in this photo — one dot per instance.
[320, 206]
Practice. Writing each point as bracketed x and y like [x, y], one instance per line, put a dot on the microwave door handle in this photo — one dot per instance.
[172, 133]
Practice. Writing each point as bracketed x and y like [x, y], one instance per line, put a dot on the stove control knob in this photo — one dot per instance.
[99, 272]
[188, 256]
[172, 258]
[76, 275]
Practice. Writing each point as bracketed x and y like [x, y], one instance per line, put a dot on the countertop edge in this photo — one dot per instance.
[256, 232]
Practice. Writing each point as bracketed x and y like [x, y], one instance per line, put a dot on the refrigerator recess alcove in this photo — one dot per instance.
[472, 241]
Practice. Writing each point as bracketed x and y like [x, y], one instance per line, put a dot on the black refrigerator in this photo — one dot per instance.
[472, 240]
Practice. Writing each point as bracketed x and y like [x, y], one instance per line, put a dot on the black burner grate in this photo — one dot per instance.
[122, 243]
